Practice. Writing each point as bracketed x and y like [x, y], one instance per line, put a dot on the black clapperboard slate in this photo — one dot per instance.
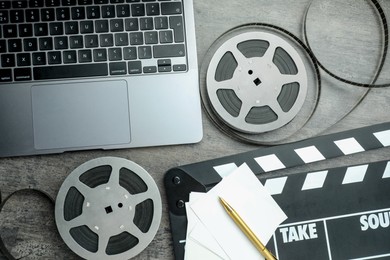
[339, 213]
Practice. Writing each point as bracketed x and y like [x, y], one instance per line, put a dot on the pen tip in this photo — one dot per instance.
[225, 204]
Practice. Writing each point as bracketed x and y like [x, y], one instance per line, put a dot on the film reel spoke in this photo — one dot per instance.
[245, 109]
[238, 56]
[276, 108]
[103, 243]
[78, 221]
[114, 177]
[286, 79]
[82, 188]
[226, 84]
[136, 232]
[270, 53]
[140, 197]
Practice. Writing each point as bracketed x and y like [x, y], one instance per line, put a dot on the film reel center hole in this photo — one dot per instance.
[257, 81]
[108, 209]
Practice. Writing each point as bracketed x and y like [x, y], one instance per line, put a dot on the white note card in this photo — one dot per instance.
[244, 192]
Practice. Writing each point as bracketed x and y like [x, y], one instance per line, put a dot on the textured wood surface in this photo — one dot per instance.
[345, 35]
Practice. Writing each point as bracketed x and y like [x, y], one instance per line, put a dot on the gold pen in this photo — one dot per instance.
[247, 231]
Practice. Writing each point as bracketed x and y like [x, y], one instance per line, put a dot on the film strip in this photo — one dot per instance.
[385, 40]
[202, 176]
[5, 253]
[240, 89]
[254, 85]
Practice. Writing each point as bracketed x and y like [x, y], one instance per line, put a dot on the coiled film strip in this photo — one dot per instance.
[235, 94]
[108, 208]
[385, 41]
[5, 253]
[202, 176]
[256, 80]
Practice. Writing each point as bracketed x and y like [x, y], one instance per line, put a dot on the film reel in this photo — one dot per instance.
[108, 208]
[256, 82]
[259, 84]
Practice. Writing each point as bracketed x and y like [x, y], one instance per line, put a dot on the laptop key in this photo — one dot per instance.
[56, 28]
[179, 67]
[32, 15]
[101, 26]
[23, 59]
[130, 53]
[25, 30]
[17, 16]
[152, 9]
[19, 4]
[69, 56]
[138, 10]
[8, 60]
[36, 3]
[144, 52]
[85, 56]
[39, 58]
[4, 16]
[171, 8]
[100, 55]
[48, 14]
[118, 68]
[14, 45]
[108, 11]
[135, 67]
[150, 69]
[114, 54]
[176, 23]
[10, 31]
[63, 14]
[78, 13]
[22, 74]
[52, 2]
[68, 2]
[100, 2]
[93, 12]
[168, 50]
[5, 75]
[3, 46]
[5, 4]
[45, 43]
[70, 71]
[54, 57]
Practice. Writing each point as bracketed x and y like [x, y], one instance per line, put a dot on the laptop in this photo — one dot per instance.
[97, 74]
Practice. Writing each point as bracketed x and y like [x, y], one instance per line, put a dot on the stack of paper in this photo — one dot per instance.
[212, 234]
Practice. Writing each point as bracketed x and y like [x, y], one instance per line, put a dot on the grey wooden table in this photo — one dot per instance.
[345, 35]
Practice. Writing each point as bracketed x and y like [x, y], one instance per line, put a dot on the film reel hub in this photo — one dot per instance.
[106, 205]
[257, 82]
[108, 208]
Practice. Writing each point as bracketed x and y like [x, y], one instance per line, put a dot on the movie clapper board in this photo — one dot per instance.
[339, 213]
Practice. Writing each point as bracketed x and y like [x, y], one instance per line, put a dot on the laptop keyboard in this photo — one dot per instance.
[57, 39]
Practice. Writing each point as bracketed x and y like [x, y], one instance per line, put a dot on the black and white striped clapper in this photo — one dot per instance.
[320, 205]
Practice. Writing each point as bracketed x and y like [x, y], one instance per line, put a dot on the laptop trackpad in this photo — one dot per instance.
[78, 115]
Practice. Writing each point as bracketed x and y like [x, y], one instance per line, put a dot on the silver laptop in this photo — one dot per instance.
[97, 74]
